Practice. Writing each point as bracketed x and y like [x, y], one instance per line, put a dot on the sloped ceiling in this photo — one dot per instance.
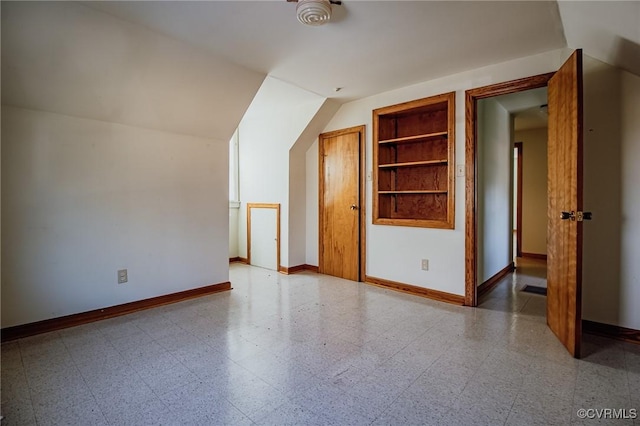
[606, 30]
[374, 46]
[368, 47]
[527, 108]
[67, 58]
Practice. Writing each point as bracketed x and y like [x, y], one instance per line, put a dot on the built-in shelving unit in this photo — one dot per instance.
[413, 155]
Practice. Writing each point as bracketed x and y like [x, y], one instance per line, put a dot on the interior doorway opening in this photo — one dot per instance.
[512, 203]
[511, 198]
[564, 183]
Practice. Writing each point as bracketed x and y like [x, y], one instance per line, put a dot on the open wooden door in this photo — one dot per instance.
[564, 216]
[342, 203]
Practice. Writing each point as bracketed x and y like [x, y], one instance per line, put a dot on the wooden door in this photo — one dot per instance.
[341, 203]
[564, 236]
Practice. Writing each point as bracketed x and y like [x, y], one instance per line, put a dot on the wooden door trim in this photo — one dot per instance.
[472, 97]
[264, 206]
[361, 189]
[519, 147]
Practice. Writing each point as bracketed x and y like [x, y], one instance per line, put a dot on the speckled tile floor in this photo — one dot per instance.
[311, 349]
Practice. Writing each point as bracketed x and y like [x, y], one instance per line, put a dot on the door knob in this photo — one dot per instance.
[353, 207]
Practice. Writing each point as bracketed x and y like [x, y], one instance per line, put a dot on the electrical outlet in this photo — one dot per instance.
[122, 276]
[425, 264]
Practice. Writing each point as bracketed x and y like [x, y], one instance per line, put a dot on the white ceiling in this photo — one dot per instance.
[374, 46]
[526, 108]
[369, 46]
[607, 30]
[536, 117]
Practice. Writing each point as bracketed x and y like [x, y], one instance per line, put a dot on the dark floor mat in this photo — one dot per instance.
[535, 290]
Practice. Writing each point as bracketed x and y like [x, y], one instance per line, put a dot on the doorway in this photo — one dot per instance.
[511, 204]
[523, 290]
[480, 103]
[342, 203]
[530, 195]
[564, 181]
[531, 129]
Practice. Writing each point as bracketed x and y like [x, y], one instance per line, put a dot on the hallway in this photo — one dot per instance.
[507, 296]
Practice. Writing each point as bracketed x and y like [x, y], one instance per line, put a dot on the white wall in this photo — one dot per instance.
[629, 178]
[534, 189]
[312, 211]
[83, 198]
[115, 144]
[277, 117]
[494, 208]
[299, 181]
[394, 252]
[234, 214]
[69, 58]
[611, 275]
[297, 205]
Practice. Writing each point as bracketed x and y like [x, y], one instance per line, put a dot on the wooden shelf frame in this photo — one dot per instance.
[414, 163]
[417, 191]
[416, 138]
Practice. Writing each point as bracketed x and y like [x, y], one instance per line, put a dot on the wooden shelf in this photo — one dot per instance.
[417, 138]
[413, 157]
[417, 191]
[414, 164]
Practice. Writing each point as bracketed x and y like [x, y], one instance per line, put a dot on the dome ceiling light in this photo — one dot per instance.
[314, 12]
